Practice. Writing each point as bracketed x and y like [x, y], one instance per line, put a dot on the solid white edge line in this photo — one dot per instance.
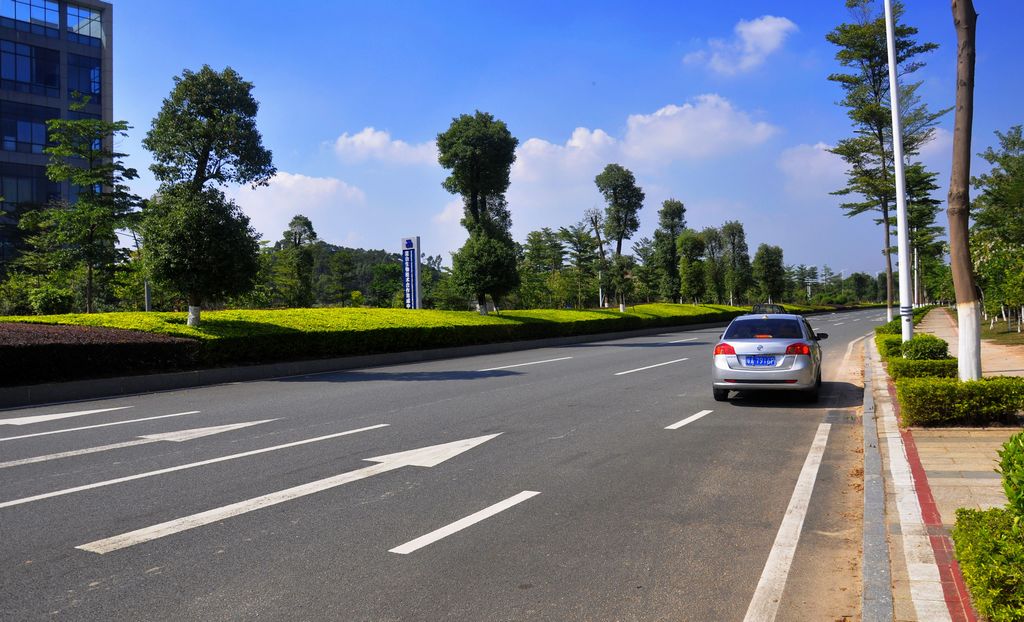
[765, 603]
[564, 358]
[462, 523]
[98, 425]
[182, 467]
[690, 419]
[630, 371]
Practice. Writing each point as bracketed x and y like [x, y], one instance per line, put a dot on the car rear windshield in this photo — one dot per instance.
[770, 328]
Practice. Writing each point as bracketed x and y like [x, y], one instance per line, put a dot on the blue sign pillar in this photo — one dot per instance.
[411, 271]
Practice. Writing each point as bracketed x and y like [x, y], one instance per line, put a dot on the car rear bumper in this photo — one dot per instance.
[801, 375]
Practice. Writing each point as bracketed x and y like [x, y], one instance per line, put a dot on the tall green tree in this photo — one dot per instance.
[295, 262]
[736, 257]
[205, 133]
[386, 284]
[671, 222]
[769, 272]
[623, 200]
[647, 271]
[868, 153]
[693, 281]
[714, 264]
[200, 244]
[479, 151]
[581, 254]
[82, 232]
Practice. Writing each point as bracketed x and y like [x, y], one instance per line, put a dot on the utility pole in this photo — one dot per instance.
[903, 243]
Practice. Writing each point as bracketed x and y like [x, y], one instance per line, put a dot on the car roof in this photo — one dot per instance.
[770, 316]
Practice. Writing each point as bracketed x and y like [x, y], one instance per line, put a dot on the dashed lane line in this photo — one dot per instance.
[684, 340]
[564, 358]
[463, 523]
[690, 419]
[630, 371]
[53, 417]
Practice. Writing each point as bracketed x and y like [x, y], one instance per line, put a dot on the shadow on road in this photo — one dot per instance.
[833, 395]
[400, 376]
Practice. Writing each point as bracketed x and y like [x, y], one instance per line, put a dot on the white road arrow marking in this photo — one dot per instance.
[53, 417]
[175, 437]
[98, 425]
[424, 457]
[182, 467]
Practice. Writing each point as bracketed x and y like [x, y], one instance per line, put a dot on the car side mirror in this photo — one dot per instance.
[821, 336]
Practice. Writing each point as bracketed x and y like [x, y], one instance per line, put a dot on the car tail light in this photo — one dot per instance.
[724, 348]
[799, 348]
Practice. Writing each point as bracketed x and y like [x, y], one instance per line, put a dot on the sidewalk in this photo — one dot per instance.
[929, 473]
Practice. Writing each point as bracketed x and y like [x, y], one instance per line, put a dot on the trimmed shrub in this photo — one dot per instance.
[906, 368]
[925, 347]
[989, 546]
[889, 346]
[1011, 466]
[946, 401]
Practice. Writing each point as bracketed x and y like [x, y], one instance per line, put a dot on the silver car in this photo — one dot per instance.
[776, 351]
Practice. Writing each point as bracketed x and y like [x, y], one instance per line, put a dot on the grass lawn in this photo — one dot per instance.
[999, 334]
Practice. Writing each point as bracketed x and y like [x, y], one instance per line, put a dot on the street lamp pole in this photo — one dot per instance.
[903, 243]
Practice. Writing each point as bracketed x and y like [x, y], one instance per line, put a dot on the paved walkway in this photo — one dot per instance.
[951, 468]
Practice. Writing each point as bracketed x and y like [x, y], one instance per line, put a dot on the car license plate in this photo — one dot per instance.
[760, 361]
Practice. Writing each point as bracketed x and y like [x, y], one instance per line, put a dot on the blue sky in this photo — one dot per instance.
[724, 106]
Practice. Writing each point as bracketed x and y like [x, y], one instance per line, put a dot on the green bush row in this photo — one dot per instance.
[946, 401]
[905, 368]
[895, 327]
[989, 546]
[889, 346]
[925, 347]
[990, 543]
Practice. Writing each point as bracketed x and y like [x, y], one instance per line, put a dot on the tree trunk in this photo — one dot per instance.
[967, 304]
[194, 308]
[88, 289]
[481, 301]
[887, 249]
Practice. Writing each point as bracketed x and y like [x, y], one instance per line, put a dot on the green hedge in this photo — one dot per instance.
[905, 368]
[889, 346]
[925, 347]
[1011, 466]
[945, 401]
[989, 546]
[895, 327]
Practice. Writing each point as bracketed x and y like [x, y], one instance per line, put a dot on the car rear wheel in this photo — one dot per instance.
[721, 395]
[813, 394]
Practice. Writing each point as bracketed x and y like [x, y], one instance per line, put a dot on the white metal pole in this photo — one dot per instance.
[903, 243]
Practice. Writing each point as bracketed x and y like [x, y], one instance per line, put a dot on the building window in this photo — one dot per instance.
[41, 17]
[29, 69]
[22, 187]
[84, 76]
[23, 127]
[84, 25]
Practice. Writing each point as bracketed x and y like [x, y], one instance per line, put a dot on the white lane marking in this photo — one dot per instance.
[175, 437]
[55, 416]
[423, 457]
[682, 340]
[857, 319]
[765, 604]
[849, 351]
[564, 358]
[925, 582]
[838, 323]
[462, 523]
[690, 419]
[630, 371]
[98, 425]
[182, 467]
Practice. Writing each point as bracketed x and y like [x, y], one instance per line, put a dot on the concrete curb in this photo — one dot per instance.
[876, 578]
[35, 395]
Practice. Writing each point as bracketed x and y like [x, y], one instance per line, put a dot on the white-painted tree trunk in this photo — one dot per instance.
[888, 313]
[622, 307]
[969, 356]
[193, 315]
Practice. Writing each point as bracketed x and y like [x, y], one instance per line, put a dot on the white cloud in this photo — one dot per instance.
[753, 42]
[940, 146]
[812, 170]
[373, 144]
[537, 158]
[452, 213]
[325, 200]
[709, 126]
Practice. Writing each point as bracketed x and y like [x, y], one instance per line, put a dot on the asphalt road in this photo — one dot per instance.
[633, 521]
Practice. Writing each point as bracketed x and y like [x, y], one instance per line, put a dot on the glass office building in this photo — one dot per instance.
[52, 53]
